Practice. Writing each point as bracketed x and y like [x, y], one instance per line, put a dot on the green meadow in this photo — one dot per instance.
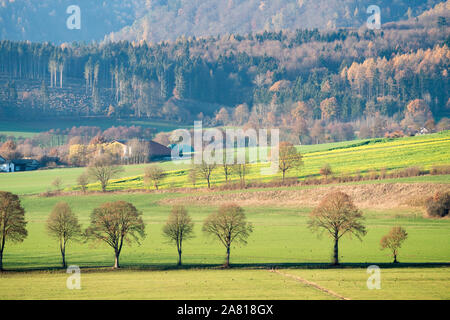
[345, 158]
[350, 158]
[281, 236]
[280, 239]
[398, 283]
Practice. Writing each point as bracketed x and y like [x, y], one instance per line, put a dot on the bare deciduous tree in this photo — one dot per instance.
[289, 158]
[241, 169]
[179, 227]
[227, 168]
[12, 221]
[229, 225]
[57, 183]
[326, 171]
[115, 223]
[394, 240]
[103, 169]
[337, 215]
[83, 181]
[205, 170]
[192, 176]
[154, 175]
[63, 225]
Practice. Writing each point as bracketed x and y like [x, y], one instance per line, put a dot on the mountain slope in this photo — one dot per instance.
[40, 21]
[169, 19]
[157, 20]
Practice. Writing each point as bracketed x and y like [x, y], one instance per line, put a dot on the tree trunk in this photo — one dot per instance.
[336, 252]
[283, 175]
[2, 248]
[63, 253]
[179, 249]
[116, 261]
[64, 260]
[395, 258]
[227, 262]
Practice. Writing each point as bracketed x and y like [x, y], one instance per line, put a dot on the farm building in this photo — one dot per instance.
[158, 151]
[120, 146]
[18, 165]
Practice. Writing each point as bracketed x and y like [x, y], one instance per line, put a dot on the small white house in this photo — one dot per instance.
[7, 167]
[422, 131]
[3, 166]
[18, 165]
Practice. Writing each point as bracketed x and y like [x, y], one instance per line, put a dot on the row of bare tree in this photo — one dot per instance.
[120, 222]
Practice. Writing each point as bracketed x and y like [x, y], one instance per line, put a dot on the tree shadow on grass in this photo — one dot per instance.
[238, 266]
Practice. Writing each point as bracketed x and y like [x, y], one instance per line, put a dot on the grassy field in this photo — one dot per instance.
[396, 283]
[344, 158]
[32, 182]
[280, 236]
[181, 285]
[399, 283]
[280, 239]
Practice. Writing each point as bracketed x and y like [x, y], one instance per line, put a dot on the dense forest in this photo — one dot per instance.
[315, 85]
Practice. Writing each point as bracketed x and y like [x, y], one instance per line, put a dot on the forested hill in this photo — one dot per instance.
[169, 19]
[41, 21]
[315, 85]
[162, 20]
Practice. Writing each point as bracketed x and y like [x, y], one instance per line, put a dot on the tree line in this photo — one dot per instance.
[119, 223]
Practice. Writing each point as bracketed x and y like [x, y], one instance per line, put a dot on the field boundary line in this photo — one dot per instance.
[312, 284]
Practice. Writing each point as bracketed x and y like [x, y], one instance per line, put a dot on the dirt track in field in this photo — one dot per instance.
[312, 284]
[377, 196]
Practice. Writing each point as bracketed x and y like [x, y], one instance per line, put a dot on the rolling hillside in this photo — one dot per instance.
[350, 159]
[347, 158]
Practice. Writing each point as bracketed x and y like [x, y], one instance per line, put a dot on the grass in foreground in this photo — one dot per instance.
[398, 283]
[181, 285]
